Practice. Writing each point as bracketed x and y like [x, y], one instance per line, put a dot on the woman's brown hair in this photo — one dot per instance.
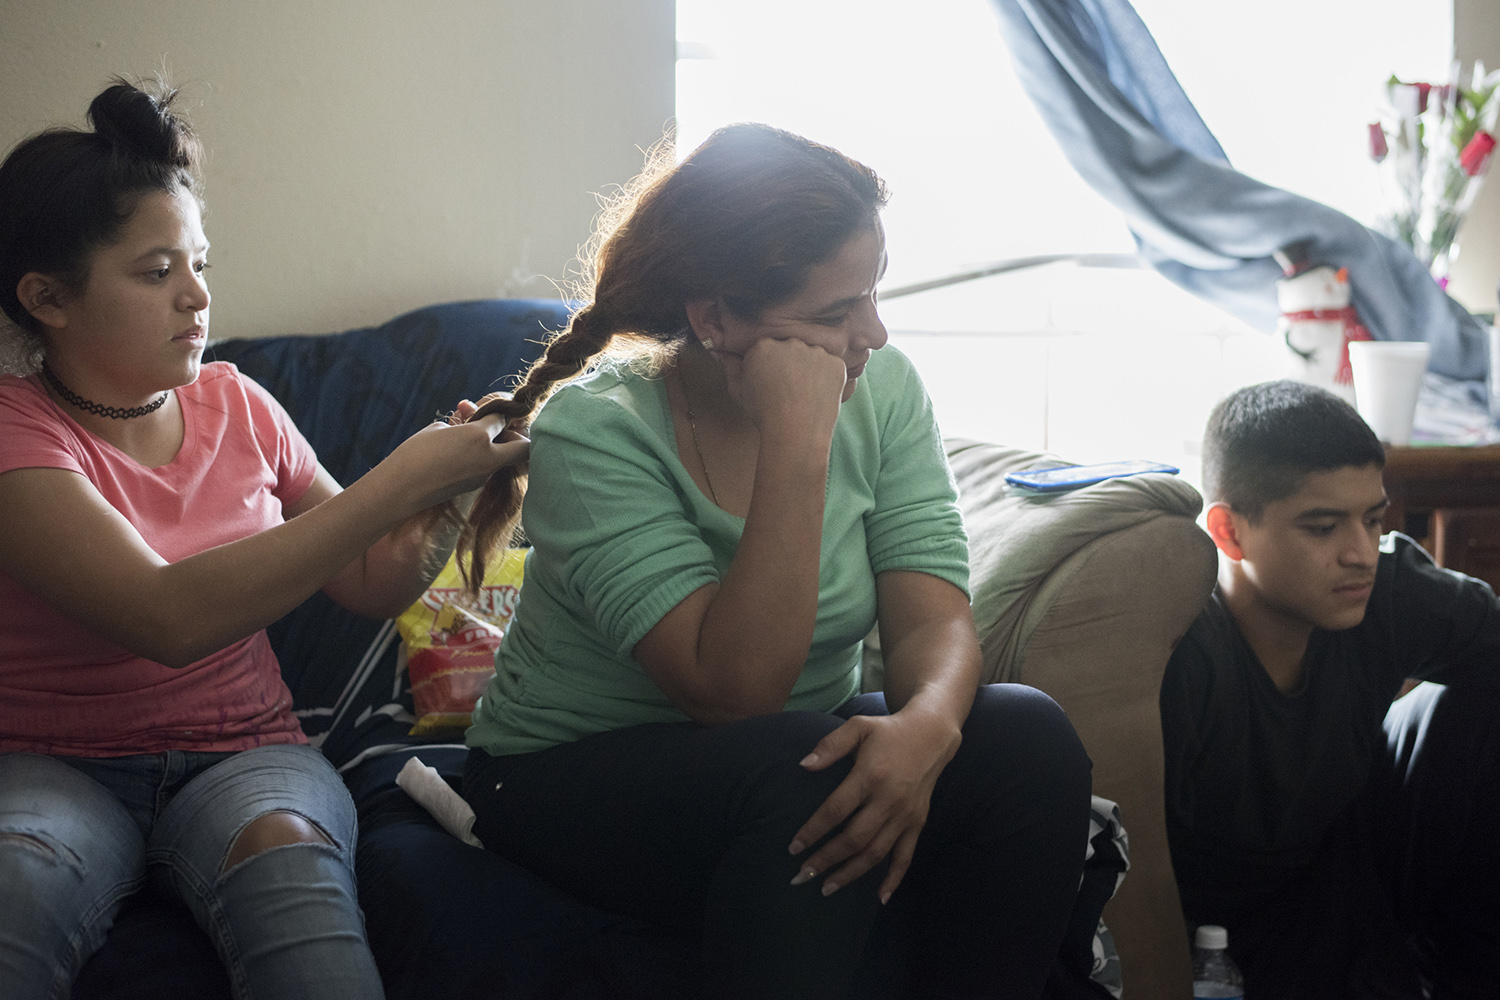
[742, 220]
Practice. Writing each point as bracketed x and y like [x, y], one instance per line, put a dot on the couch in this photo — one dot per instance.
[1082, 595]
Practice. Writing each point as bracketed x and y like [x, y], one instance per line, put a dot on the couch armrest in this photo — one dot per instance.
[1083, 595]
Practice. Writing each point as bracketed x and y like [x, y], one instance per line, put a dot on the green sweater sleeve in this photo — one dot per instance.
[608, 516]
[916, 524]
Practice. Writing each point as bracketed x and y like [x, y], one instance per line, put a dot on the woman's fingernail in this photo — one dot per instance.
[804, 875]
[809, 760]
[829, 888]
[796, 847]
[885, 897]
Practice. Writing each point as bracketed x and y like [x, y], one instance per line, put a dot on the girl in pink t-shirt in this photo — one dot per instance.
[159, 513]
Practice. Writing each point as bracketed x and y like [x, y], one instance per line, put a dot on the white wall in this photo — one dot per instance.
[1476, 35]
[370, 156]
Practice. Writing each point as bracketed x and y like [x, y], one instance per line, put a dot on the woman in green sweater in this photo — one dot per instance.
[718, 516]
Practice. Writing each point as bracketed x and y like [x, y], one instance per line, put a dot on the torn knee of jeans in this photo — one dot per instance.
[277, 828]
[42, 844]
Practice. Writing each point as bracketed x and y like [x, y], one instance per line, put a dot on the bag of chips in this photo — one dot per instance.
[450, 644]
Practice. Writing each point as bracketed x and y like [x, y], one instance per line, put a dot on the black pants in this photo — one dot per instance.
[1402, 901]
[687, 826]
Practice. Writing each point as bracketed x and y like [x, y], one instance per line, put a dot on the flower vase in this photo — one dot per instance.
[1451, 190]
[1432, 150]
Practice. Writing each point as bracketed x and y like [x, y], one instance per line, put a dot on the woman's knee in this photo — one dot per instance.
[777, 795]
[279, 828]
[780, 742]
[65, 884]
[55, 813]
[69, 855]
[252, 802]
[41, 846]
[1022, 730]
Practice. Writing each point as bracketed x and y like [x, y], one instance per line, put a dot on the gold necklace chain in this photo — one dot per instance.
[693, 429]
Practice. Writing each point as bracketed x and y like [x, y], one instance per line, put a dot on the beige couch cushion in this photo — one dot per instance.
[1083, 595]
[1017, 538]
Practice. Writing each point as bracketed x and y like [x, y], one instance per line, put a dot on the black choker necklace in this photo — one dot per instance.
[91, 407]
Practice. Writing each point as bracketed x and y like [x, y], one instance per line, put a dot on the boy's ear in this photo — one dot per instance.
[1223, 528]
[42, 297]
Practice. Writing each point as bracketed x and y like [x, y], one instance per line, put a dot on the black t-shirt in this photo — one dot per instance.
[1256, 779]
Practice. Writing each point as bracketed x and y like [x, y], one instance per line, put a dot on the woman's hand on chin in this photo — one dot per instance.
[883, 802]
[789, 382]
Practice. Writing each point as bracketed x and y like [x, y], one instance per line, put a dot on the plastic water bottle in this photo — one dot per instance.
[1215, 976]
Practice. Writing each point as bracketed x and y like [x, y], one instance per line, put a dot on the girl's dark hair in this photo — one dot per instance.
[743, 219]
[66, 193]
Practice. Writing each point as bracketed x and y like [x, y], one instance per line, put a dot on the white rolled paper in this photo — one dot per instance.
[432, 793]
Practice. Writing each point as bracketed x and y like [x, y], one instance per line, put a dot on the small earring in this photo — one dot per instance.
[707, 344]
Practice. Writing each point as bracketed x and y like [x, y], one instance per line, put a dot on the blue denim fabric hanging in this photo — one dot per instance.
[1125, 124]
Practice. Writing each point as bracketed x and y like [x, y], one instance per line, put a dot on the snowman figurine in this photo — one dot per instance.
[1317, 321]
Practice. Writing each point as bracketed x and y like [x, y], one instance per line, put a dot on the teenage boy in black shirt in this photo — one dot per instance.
[1346, 842]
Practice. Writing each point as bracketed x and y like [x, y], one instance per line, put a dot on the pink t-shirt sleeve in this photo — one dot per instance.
[33, 439]
[285, 449]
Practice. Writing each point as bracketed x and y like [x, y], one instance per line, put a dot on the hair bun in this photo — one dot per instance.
[141, 125]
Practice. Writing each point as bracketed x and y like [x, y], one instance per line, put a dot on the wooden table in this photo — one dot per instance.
[1448, 498]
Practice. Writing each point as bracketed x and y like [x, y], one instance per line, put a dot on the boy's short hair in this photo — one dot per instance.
[1262, 441]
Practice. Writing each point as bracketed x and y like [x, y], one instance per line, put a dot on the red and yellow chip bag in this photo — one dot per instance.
[450, 644]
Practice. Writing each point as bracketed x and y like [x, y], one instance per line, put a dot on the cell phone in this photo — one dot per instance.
[1071, 477]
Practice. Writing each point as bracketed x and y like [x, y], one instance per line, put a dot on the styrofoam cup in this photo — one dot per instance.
[1387, 379]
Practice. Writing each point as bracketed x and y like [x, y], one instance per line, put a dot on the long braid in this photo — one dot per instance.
[491, 522]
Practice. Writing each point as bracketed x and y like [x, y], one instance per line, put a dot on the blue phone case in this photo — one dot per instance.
[1071, 477]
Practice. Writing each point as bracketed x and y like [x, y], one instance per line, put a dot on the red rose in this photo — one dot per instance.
[1477, 153]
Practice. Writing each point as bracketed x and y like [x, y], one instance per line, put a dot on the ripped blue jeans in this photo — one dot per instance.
[79, 835]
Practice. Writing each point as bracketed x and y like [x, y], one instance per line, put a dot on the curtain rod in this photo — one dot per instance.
[1120, 260]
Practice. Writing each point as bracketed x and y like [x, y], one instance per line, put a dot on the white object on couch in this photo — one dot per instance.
[432, 793]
